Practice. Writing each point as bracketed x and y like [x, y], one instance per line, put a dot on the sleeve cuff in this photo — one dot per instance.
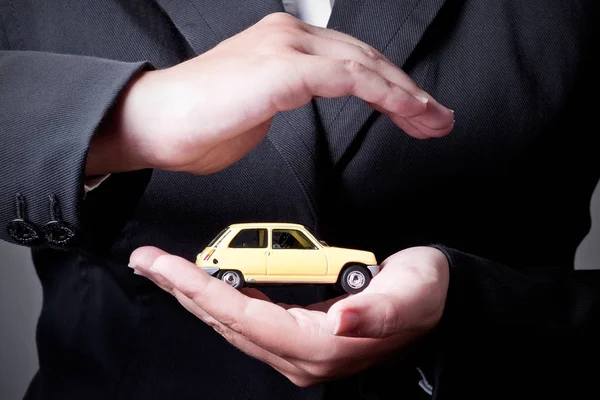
[92, 183]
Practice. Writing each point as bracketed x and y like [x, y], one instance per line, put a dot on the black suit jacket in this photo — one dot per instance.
[506, 195]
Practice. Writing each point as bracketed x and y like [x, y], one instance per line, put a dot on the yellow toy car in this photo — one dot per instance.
[282, 253]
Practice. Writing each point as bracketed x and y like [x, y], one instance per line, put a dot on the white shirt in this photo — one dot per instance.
[314, 12]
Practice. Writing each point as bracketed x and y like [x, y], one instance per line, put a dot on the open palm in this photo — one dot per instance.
[323, 341]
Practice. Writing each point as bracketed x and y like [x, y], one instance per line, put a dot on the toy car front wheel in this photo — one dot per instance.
[355, 279]
[233, 278]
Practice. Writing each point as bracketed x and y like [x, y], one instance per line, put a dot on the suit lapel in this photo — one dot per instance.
[300, 142]
[393, 27]
[190, 24]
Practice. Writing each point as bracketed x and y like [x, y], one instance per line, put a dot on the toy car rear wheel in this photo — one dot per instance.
[355, 279]
[232, 277]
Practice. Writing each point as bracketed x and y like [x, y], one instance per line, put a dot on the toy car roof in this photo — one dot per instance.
[267, 225]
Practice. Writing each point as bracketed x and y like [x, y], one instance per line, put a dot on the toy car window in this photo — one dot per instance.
[250, 239]
[291, 239]
[219, 236]
[222, 237]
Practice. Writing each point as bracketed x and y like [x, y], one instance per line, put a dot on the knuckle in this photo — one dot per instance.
[197, 299]
[213, 323]
[279, 18]
[389, 84]
[391, 322]
[227, 322]
[372, 54]
[353, 67]
[197, 293]
[222, 330]
[170, 289]
[234, 324]
[227, 335]
[406, 104]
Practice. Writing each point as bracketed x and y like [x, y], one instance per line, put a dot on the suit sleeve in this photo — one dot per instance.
[532, 332]
[50, 107]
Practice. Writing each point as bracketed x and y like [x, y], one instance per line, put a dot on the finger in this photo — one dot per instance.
[436, 117]
[147, 257]
[261, 322]
[282, 366]
[416, 125]
[362, 53]
[414, 128]
[328, 77]
[142, 258]
[373, 315]
[407, 127]
[402, 123]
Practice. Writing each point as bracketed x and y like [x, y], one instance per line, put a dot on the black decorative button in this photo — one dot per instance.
[19, 229]
[22, 232]
[58, 233]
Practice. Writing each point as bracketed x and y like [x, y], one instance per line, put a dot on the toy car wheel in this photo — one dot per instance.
[355, 278]
[233, 278]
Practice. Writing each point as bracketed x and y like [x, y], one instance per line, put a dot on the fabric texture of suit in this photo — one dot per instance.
[505, 196]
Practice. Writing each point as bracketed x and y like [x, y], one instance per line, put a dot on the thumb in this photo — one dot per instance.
[370, 315]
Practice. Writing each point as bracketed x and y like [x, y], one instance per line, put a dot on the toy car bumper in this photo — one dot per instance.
[211, 270]
[374, 269]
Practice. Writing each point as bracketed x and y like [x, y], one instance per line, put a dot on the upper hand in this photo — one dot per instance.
[326, 340]
[204, 114]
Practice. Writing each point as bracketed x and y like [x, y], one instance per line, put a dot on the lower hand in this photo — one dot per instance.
[204, 114]
[324, 341]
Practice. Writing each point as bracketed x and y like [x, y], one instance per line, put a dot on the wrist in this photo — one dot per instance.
[119, 144]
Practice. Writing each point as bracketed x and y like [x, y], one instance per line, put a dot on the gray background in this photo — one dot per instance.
[21, 297]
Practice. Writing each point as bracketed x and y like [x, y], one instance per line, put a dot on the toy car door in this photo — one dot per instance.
[247, 252]
[295, 257]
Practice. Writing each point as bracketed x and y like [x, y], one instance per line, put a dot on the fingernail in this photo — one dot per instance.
[130, 265]
[451, 111]
[346, 322]
[138, 272]
[421, 99]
